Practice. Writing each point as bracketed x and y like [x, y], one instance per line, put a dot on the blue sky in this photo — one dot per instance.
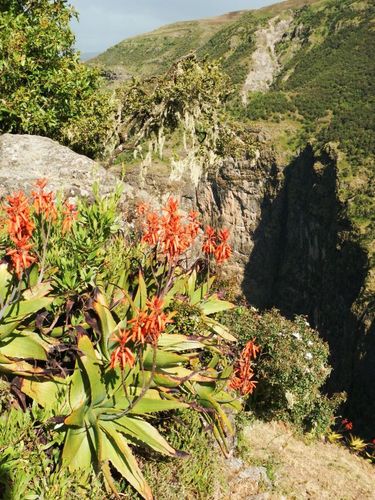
[105, 22]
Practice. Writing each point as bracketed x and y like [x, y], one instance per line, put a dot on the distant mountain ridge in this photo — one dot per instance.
[157, 49]
[153, 52]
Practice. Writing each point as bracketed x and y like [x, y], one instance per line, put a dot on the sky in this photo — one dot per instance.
[103, 23]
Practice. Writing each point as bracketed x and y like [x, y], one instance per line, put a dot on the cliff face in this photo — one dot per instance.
[238, 196]
[302, 256]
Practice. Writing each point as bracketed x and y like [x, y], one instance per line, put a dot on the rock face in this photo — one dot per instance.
[235, 197]
[25, 158]
[264, 61]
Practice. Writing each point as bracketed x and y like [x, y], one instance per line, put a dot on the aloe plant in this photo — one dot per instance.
[106, 410]
[126, 356]
[18, 340]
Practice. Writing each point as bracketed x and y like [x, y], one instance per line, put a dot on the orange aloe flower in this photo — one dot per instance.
[209, 242]
[122, 354]
[20, 225]
[44, 203]
[143, 208]
[194, 224]
[242, 379]
[347, 424]
[175, 238]
[70, 215]
[170, 234]
[251, 350]
[223, 250]
[150, 323]
[151, 234]
[21, 259]
[20, 230]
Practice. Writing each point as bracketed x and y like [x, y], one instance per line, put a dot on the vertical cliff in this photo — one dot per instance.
[304, 256]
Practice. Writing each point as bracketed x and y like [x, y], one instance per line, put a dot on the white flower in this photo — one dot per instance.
[310, 343]
[309, 356]
[296, 335]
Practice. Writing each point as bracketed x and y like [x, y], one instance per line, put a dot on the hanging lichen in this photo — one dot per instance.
[188, 100]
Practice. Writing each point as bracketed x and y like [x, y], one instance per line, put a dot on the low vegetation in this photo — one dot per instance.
[291, 369]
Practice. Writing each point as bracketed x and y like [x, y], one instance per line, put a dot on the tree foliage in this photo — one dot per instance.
[44, 88]
[189, 99]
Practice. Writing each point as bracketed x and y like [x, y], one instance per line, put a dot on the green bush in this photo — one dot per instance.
[291, 369]
[79, 258]
[44, 88]
[262, 106]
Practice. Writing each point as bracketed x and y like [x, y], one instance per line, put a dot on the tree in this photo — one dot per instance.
[44, 88]
[188, 100]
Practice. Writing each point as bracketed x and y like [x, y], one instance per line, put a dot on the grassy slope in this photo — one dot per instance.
[301, 469]
[154, 52]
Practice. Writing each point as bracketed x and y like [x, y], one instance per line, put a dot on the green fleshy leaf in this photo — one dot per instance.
[214, 305]
[91, 366]
[145, 432]
[107, 323]
[77, 417]
[116, 450]
[141, 295]
[163, 359]
[46, 393]
[77, 453]
[176, 342]
[25, 345]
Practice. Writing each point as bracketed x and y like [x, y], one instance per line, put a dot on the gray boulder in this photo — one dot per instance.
[26, 158]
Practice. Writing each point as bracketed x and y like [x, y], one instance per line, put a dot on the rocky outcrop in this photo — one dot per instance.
[236, 196]
[264, 62]
[25, 158]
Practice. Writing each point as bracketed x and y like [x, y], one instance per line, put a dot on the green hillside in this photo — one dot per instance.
[223, 36]
[153, 53]
[322, 88]
[325, 60]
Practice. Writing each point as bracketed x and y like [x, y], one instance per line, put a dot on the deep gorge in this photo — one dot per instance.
[303, 257]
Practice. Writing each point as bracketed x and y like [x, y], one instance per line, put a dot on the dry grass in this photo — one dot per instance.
[316, 471]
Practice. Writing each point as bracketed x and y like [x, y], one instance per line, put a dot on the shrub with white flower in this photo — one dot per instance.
[291, 369]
